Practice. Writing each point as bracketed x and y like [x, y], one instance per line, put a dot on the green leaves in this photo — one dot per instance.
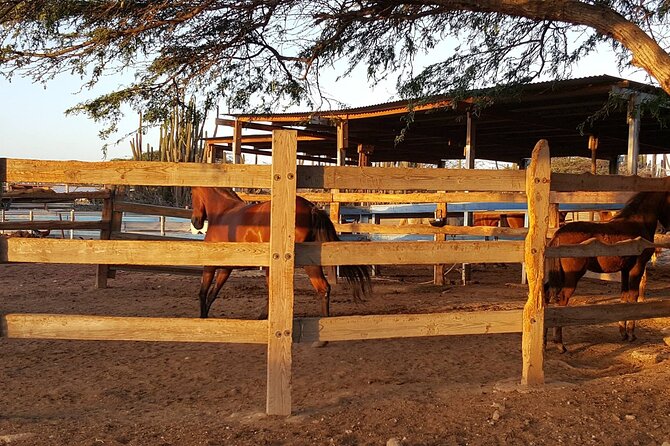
[268, 55]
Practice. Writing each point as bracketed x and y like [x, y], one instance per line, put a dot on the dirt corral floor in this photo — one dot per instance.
[426, 391]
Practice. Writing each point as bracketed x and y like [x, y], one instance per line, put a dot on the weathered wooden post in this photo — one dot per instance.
[538, 179]
[438, 270]
[102, 271]
[282, 265]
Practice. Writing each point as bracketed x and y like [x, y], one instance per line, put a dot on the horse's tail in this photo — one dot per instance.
[553, 272]
[357, 276]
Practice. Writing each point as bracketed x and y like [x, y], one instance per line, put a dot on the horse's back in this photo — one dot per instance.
[251, 223]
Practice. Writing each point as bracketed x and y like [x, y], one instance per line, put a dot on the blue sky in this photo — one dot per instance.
[33, 123]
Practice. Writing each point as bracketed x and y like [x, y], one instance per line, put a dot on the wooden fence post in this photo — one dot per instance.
[282, 265]
[538, 180]
[438, 270]
[107, 212]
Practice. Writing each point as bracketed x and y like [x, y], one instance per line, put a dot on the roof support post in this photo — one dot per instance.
[593, 147]
[469, 153]
[633, 134]
[364, 152]
[614, 165]
[342, 141]
[237, 142]
[342, 144]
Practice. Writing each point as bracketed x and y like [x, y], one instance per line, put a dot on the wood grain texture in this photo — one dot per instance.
[149, 209]
[593, 247]
[566, 182]
[353, 328]
[111, 328]
[133, 252]
[605, 313]
[408, 253]
[537, 190]
[282, 268]
[148, 173]
[399, 178]
[484, 231]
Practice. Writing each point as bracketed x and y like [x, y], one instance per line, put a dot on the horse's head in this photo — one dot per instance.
[199, 213]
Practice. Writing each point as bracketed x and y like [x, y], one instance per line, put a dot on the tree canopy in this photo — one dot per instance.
[258, 55]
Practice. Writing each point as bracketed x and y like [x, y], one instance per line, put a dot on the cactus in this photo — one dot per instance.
[180, 140]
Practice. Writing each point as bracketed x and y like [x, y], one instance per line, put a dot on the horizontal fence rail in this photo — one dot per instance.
[105, 252]
[400, 178]
[407, 253]
[111, 328]
[594, 248]
[150, 209]
[353, 328]
[52, 225]
[146, 173]
[605, 313]
[566, 182]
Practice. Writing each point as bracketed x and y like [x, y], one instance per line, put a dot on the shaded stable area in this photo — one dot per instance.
[595, 117]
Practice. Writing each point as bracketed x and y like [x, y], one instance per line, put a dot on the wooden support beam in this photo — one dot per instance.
[593, 248]
[237, 142]
[447, 230]
[354, 328]
[438, 269]
[537, 189]
[408, 253]
[408, 178]
[469, 153]
[130, 252]
[150, 209]
[114, 328]
[53, 225]
[568, 182]
[605, 313]
[593, 147]
[131, 173]
[282, 265]
[633, 119]
[102, 269]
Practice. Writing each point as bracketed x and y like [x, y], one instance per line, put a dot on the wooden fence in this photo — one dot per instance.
[281, 329]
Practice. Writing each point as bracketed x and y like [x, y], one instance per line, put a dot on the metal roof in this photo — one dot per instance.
[506, 130]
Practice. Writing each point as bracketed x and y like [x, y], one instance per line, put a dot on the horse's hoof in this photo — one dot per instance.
[631, 338]
[319, 344]
[624, 336]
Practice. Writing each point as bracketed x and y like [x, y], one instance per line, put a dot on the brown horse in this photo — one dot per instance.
[230, 219]
[638, 218]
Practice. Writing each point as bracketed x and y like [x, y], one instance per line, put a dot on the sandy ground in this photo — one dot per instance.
[427, 391]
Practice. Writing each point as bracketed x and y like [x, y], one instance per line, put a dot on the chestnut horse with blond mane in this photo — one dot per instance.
[231, 219]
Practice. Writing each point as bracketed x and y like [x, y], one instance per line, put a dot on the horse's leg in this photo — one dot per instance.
[206, 280]
[322, 287]
[562, 300]
[221, 277]
[643, 286]
[636, 276]
[625, 278]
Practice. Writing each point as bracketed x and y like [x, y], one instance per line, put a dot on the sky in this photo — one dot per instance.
[33, 124]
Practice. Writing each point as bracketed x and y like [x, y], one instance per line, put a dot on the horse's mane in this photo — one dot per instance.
[641, 200]
[228, 193]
